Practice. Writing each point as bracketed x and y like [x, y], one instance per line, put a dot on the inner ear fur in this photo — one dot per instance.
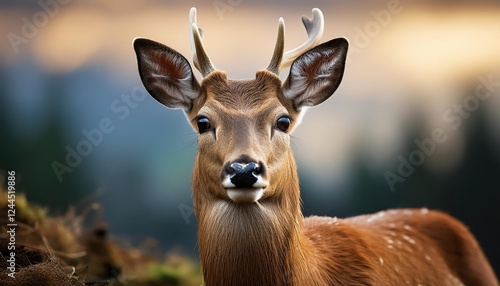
[166, 74]
[316, 74]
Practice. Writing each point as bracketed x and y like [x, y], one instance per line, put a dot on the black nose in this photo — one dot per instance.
[243, 175]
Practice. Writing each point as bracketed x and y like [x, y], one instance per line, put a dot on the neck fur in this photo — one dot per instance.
[251, 244]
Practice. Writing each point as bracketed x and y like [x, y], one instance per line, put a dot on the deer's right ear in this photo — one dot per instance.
[316, 74]
[166, 74]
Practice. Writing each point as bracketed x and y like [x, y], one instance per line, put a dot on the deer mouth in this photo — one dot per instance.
[246, 194]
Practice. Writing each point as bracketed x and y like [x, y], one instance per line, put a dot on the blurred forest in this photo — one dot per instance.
[140, 173]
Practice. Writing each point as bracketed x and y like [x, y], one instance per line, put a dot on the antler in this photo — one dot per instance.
[274, 65]
[200, 58]
[314, 28]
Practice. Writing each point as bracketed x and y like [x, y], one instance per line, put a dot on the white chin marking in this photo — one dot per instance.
[245, 195]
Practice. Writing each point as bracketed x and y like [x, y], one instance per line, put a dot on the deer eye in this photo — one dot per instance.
[283, 123]
[203, 124]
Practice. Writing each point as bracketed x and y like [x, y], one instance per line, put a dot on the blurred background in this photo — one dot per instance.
[77, 125]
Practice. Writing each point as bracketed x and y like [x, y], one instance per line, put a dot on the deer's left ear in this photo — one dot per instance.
[316, 74]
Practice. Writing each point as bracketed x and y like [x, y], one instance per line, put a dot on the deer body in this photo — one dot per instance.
[246, 189]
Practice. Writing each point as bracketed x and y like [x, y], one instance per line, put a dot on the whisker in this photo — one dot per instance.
[294, 139]
[190, 142]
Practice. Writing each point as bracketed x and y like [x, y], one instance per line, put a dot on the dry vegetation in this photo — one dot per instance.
[60, 250]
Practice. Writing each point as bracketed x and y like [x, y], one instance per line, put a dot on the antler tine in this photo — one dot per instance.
[200, 58]
[314, 28]
[274, 65]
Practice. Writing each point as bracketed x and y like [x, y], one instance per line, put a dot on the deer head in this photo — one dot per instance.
[244, 126]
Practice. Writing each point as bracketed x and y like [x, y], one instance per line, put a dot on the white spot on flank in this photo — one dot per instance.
[333, 220]
[407, 227]
[371, 218]
[375, 216]
[424, 211]
[427, 257]
[381, 260]
[454, 281]
[409, 239]
[408, 212]
[388, 239]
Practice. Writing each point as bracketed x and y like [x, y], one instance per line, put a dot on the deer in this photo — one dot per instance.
[245, 184]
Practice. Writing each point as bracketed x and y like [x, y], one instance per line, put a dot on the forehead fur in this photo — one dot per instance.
[242, 94]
